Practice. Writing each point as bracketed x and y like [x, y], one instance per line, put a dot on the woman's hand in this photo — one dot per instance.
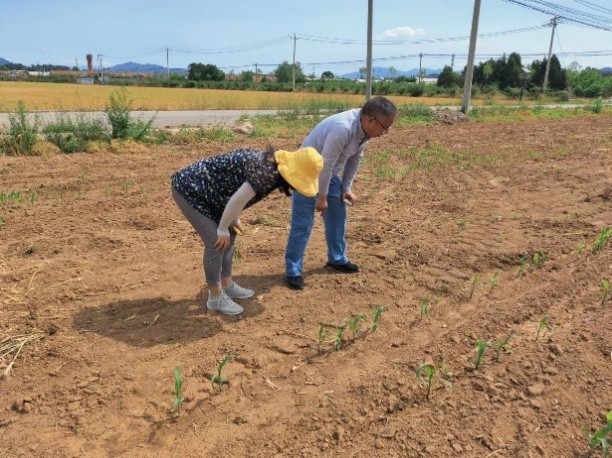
[223, 242]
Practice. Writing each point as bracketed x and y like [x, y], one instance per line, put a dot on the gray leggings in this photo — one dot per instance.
[217, 264]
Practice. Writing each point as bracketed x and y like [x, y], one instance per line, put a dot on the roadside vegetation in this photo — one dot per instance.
[83, 132]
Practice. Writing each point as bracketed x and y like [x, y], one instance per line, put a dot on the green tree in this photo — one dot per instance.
[247, 76]
[327, 75]
[514, 69]
[447, 78]
[284, 73]
[204, 72]
[557, 77]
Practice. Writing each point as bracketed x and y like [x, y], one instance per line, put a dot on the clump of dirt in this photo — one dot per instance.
[490, 227]
[447, 116]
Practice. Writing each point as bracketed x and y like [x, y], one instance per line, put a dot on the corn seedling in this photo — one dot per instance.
[178, 390]
[376, 316]
[605, 284]
[602, 239]
[218, 379]
[600, 438]
[580, 248]
[538, 259]
[481, 347]
[424, 309]
[494, 281]
[339, 337]
[15, 196]
[502, 345]
[461, 223]
[32, 197]
[354, 325]
[425, 373]
[473, 283]
[544, 325]
[321, 337]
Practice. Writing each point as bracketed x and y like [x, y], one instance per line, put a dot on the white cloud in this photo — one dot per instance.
[402, 32]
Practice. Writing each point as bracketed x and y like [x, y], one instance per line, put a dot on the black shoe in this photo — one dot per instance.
[348, 268]
[295, 282]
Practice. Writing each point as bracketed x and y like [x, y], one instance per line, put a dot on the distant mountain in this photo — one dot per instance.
[4, 61]
[134, 67]
[383, 72]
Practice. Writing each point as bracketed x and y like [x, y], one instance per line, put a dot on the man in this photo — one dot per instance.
[341, 139]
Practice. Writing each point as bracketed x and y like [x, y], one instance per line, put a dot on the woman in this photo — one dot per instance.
[212, 193]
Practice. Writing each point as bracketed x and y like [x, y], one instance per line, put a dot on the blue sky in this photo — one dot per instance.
[331, 34]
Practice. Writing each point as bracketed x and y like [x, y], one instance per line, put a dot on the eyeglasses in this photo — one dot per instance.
[385, 129]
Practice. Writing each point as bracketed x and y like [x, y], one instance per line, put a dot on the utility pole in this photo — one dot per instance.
[469, 72]
[420, 67]
[168, 62]
[368, 93]
[76, 63]
[294, 46]
[453, 62]
[100, 56]
[552, 36]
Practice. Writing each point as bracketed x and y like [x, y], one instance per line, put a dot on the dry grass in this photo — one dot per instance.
[10, 347]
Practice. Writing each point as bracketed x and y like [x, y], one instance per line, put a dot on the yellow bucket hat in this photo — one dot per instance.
[301, 169]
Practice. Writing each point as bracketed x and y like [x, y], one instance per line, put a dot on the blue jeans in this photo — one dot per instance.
[302, 221]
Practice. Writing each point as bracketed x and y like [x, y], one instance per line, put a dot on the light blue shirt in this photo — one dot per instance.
[341, 141]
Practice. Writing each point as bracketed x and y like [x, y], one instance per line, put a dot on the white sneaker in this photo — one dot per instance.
[223, 304]
[235, 291]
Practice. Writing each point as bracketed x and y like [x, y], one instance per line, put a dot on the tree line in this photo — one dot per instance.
[506, 74]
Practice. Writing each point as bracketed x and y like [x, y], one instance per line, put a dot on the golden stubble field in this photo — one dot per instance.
[492, 223]
[79, 97]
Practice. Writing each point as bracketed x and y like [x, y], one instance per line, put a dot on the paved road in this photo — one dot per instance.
[162, 118]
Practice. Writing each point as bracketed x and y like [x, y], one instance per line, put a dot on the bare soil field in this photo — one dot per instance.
[492, 224]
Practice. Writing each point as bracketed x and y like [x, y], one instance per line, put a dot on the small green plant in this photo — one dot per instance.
[22, 133]
[376, 316]
[118, 111]
[217, 379]
[15, 196]
[424, 309]
[602, 239]
[481, 348]
[339, 337]
[32, 197]
[354, 325]
[600, 438]
[321, 337]
[605, 284]
[425, 373]
[461, 223]
[494, 281]
[580, 248]
[597, 106]
[178, 390]
[502, 345]
[473, 283]
[538, 259]
[544, 325]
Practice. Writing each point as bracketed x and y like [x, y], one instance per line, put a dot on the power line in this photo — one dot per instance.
[566, 14]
